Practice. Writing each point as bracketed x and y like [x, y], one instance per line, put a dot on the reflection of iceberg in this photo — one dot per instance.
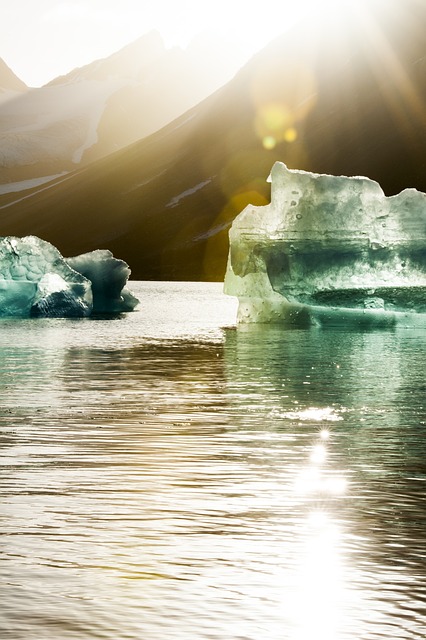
[329, 249]
[35, 280]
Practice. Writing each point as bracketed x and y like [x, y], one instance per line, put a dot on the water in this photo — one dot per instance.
[166, 475]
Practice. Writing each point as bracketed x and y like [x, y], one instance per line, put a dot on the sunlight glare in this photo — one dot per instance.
[312, 481]
[321, 590]
[324, 414]
[318, 454]
[105, 26]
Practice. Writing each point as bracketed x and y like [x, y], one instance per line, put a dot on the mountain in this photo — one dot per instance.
[343, 97]
[10, 85]
[9, 81]
[102, 107]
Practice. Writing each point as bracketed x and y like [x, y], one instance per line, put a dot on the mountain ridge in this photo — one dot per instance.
[96, 109]
[9, 81]
[165, 204]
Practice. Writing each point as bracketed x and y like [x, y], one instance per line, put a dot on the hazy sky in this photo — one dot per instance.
[41, 39]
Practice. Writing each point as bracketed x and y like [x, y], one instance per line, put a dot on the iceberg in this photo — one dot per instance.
[329, 250]
[37, 281]
[109, 277]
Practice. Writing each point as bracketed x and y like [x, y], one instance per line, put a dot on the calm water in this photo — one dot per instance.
[168, 476]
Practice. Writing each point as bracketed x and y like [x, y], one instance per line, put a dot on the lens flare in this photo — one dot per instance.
[282, 103]
[269, 142]
[290, 134]
[216, 238]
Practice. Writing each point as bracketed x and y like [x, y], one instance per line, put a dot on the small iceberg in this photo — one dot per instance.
[37, 281]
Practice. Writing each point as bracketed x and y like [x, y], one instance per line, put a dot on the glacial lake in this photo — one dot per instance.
[168, 475]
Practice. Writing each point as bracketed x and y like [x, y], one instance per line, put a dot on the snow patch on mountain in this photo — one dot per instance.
[175, 201]
[30, 195]
[52, 119]
[23, 185]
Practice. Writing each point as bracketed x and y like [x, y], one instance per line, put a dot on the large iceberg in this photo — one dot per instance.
[329, 250]
[36, 280]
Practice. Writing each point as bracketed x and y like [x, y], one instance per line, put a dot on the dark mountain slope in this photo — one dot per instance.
[346, 97]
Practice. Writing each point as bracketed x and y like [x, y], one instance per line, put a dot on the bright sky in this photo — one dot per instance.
[41, 39]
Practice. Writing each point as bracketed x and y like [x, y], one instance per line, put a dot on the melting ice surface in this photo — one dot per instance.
[330, 250]
[35, 280]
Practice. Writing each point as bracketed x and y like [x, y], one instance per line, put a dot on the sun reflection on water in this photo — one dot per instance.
[318, 454]
[317, 607]
[315, 414]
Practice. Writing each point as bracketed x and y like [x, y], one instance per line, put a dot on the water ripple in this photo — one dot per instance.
[191, 486]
